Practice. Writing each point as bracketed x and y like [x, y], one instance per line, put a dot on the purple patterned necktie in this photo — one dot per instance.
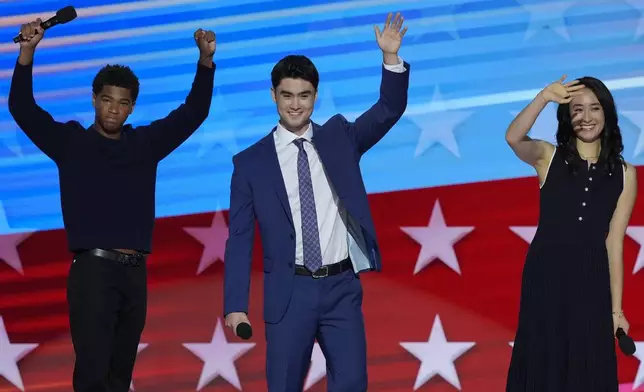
[310, 234]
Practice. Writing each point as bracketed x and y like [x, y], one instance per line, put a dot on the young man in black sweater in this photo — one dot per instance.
[107, 182]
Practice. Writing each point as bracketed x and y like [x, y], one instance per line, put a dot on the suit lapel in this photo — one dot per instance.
[325, 149]
[274, 172]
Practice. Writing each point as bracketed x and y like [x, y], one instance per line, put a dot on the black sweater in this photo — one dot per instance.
[107, 186]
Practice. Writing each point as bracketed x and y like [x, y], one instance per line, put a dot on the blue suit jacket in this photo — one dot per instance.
[257, 192]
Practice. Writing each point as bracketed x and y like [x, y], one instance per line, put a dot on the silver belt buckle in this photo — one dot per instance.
[325, 269]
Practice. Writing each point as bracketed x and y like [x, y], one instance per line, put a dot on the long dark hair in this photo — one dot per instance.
[611, 136]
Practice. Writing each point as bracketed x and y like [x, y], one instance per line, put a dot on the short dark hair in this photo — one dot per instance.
[295, 67]
[117, 76]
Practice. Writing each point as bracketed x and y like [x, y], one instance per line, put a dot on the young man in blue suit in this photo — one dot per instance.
[302, 183]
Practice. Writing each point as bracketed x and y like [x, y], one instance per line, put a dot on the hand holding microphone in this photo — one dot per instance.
[239, 323]
[625, 342]
[32, 33]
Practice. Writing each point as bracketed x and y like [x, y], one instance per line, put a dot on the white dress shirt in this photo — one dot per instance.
[331, 215]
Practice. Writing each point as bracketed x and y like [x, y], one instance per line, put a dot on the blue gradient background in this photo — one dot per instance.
[468, 50]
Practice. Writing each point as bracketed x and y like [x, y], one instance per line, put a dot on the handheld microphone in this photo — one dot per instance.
[625, 343]
[244, 331]
[62, 16]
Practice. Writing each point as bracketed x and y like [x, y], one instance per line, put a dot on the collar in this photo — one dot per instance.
[124, 131]
[284, 137]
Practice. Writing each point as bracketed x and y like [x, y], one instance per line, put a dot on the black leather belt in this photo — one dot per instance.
[127, 259]
[325, 270]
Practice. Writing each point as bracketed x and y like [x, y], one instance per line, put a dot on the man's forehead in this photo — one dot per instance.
[116, 92]
[295, 86]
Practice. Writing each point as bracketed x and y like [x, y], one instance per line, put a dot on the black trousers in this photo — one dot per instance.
[107, 310]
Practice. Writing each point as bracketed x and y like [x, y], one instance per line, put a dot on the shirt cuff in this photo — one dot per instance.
[398, 68]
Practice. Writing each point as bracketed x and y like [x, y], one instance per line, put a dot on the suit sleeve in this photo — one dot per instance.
[165, 135]
[239, 246]
[50, 136]
[374, 124]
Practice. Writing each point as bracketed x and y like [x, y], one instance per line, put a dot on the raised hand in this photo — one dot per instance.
[390, 38]
[560, 92]
[206, 42]
[31, 34]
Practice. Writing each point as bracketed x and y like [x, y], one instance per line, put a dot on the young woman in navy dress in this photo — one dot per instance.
[571, 295]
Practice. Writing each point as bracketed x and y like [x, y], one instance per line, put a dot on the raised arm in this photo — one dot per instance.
[615, 244]
[165, 135]
[536, 152]
[239, 249]
[374, 124]
[48, 135]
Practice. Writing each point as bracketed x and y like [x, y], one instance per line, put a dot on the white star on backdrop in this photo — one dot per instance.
[317, 371]
[10, 355]
[437, 126]
[639, 354]
[638, 5]
[637, 234]
[220, 128]
[437, 240]
[525, 232]
[545, 128]
[142, 346]
[213, 239]
[437, 356]
[9, 241]
[637, 118]
[219, 358]
[546, 14]
[9, 137]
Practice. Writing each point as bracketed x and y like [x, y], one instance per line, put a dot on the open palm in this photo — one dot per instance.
[390, 38]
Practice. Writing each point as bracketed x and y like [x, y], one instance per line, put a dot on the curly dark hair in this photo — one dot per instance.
[611, 137]
[117, 76]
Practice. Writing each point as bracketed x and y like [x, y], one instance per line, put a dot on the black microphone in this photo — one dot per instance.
[625, 343]
[244, 331]
[62, 16]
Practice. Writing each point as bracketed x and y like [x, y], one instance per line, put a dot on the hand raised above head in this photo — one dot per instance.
[206, 41]
[31, 34]
[560, 92]
[390, 38]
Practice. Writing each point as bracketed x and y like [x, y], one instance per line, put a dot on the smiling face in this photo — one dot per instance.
[295, 99]
[587, 116]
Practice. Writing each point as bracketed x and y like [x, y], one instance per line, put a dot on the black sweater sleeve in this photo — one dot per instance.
[50, 136]
[163, 136]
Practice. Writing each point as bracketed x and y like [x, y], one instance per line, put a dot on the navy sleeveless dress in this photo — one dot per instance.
[564, 340]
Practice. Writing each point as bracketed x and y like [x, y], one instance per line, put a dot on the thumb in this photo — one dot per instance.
[376, 29]
[562, 78]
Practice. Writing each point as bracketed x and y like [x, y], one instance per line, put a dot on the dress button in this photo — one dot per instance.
[583, 204]
[590, 178]
[581, 219]
[586, 189]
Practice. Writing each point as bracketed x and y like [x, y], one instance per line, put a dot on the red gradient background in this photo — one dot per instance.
[481, 305]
